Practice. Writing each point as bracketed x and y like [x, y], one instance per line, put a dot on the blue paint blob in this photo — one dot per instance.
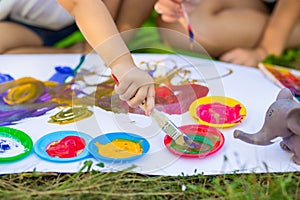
[62, 73]
[5, 78]
[4, 145]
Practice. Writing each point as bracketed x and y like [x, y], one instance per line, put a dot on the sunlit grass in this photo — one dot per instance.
[89, 184]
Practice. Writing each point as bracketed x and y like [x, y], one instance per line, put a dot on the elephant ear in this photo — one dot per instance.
[285, 93]
[293, 121]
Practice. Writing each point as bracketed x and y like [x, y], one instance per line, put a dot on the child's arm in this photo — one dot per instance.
[98, 27]
[274, 39]
[280, 26]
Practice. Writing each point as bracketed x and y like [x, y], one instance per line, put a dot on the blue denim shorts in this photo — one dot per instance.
[49, 37]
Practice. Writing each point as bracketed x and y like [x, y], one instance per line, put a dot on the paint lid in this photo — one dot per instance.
[109, 137]
[41, 145]
[218, 111]
[211, 139]
[19, 137]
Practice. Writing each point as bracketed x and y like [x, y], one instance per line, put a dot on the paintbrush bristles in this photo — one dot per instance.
[173, 131]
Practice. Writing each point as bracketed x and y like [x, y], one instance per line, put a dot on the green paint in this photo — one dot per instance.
[206, 145]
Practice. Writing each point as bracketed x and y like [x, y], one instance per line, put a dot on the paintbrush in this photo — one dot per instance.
[169, 127]
[186, 22]
[173, 131]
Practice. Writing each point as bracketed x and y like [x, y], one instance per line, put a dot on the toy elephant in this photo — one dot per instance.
[282, 120]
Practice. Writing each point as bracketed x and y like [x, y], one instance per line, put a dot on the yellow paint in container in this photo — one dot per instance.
[119, 148]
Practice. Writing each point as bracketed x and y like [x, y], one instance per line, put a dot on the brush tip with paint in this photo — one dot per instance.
[191, 33]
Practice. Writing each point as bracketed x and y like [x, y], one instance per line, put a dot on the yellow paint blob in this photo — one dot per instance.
[24, 90]
[119, 148]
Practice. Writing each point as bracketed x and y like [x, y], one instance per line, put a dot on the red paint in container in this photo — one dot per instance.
[68, 147]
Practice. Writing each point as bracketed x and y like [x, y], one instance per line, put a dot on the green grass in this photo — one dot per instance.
[125, 185]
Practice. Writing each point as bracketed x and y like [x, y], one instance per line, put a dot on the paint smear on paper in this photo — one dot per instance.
[10, 147]
[70, 115]
[23, 90]
[28, 97]
[23, 98]
[68, 147]
[119, 148]
[217, 113]
[5, 78]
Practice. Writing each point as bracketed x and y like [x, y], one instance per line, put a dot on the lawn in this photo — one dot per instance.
[125, 185]
[89, 184]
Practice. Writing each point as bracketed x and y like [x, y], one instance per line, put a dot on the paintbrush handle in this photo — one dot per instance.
[185, 14]
[164, 123]
[167, 125]
[160, 118]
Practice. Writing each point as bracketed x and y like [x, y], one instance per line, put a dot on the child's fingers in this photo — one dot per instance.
[138, 98]
[150, 102]
[129, 93]
[123, 90]
[168, 7]
[168, 18]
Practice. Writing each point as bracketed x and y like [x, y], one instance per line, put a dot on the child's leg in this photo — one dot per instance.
[12, 42]
[11, 38]
[220, 25]
[81, 47]
[132, 14]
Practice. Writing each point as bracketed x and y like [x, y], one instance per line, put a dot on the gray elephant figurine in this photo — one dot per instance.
[282, 120]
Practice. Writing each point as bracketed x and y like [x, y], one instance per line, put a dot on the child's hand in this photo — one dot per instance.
[170, 10]
[247, 57]
[136, 87]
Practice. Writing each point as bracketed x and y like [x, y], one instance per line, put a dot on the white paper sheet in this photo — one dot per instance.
[246, 85]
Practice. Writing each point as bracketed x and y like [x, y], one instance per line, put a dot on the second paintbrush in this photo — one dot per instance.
[186, 22]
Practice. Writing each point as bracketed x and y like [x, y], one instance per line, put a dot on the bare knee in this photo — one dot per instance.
[11, 38]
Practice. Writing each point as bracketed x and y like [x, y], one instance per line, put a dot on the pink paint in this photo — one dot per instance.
[217, 113]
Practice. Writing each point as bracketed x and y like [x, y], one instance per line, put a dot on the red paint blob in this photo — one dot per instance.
[217, 113]
[68, 147]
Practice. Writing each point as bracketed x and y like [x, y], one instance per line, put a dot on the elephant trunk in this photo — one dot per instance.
[259, 138]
